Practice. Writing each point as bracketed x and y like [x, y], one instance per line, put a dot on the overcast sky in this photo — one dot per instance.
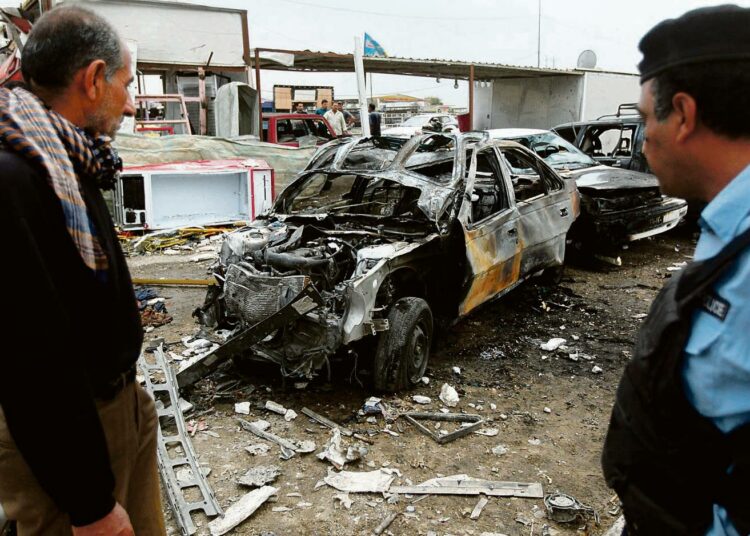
[501, 31]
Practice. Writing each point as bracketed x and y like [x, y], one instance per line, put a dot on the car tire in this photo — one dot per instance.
[404, 349]
[552, 276]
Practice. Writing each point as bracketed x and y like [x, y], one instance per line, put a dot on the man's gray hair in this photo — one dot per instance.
[65, 40]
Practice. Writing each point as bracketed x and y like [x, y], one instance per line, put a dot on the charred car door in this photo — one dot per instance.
[545, 207]
[489, 221]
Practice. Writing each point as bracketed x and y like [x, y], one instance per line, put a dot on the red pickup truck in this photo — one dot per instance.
[296, 130]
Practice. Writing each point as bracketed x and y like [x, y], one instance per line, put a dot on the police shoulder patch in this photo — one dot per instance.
[715, 305]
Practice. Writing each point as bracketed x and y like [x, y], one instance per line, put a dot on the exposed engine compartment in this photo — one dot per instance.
[266, 266]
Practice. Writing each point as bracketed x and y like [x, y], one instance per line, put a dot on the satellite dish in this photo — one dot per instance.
[586, 60]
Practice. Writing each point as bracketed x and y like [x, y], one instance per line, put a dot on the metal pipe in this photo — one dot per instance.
[260, 99]
[539, 35]
[173, 282]
[471, 97]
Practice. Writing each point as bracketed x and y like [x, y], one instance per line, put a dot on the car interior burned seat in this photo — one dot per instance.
[596, 147]
[283, 133]
[623, 148]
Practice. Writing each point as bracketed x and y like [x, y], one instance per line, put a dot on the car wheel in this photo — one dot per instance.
[403, 351]
[551, 276]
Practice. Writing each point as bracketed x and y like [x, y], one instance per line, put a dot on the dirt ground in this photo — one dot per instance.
[551, 411]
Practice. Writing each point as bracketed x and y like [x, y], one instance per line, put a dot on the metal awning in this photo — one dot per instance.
[273, 59]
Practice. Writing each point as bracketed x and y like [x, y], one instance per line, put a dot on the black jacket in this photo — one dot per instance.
[668, 463]
[67, 335]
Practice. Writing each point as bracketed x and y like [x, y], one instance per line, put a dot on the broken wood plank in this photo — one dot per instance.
[479, 507]
[241, 510]
[531, 490]
[326, 422]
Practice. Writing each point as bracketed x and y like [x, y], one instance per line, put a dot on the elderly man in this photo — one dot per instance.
[77, 435]
[678, 447]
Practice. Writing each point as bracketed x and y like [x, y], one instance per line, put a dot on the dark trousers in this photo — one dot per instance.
[130, 426]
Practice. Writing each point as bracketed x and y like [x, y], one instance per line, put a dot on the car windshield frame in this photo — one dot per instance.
[416, 121]
[554, 160]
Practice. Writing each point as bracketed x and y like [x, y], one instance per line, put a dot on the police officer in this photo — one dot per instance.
[678, 447]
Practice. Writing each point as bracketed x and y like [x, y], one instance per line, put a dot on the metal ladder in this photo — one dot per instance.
[174, 487]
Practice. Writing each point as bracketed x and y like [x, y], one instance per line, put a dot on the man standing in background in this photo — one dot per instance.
[323, 107]
[336, 119]
[374, 120]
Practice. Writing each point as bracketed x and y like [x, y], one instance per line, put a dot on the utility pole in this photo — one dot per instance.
[539, 34]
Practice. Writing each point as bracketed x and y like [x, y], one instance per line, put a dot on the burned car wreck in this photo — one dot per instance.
[617, 205]
[376, 242]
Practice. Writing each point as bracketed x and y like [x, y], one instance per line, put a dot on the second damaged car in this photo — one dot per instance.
[376, 242]
[618, 205]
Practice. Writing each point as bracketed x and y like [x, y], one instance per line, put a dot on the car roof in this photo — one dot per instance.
[515, 132]
[285, 115]
[603, 121]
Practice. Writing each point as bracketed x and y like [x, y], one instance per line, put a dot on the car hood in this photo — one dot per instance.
[609, 178]
[401, 131]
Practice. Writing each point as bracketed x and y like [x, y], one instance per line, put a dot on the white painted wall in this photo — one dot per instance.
[175, 34]
[606, 91]
[535, 102]
[550, 101]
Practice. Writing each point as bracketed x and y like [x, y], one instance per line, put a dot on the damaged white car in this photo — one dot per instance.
[377, 241]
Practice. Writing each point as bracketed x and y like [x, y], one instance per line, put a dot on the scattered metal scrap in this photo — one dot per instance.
[379, 481]
[168, 465]
[380, 529]
[327, 422]
[479, 507]
[320, 419]
[260, 476]
[564, 508]
[474, 486]
[288, 448]
[241, 510]
[476, 420]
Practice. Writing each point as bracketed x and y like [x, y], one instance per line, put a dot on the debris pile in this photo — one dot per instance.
[153, 308]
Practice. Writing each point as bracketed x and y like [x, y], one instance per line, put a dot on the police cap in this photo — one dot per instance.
[701, 35]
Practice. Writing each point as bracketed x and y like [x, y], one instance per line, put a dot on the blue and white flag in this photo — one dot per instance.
[373, 48]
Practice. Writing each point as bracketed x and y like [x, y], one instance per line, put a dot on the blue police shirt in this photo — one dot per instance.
[716, 368]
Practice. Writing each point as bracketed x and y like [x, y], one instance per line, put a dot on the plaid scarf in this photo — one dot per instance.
[62, 152]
